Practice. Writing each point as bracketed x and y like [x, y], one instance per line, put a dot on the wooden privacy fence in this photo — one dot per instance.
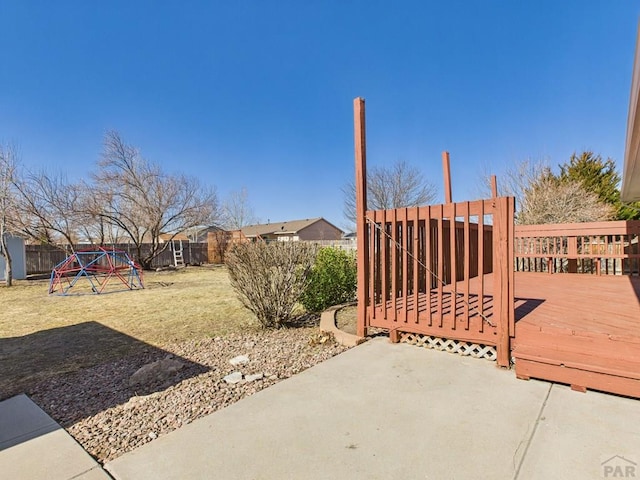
[601, 248]
[42, 258]
[221, 241]
[409, 259]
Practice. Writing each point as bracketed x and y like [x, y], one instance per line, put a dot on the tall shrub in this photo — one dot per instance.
[332, 281]
[269, 278]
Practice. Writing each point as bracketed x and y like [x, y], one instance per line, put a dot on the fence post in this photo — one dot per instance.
[361, 210]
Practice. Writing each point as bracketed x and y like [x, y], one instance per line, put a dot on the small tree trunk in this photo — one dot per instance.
[8, 271]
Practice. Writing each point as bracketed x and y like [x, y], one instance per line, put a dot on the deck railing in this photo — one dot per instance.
[426, 266]
[602, 248]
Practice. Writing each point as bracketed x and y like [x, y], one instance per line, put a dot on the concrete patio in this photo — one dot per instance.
[382, 411]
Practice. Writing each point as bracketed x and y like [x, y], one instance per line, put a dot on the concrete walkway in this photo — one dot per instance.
[33, 446]
[378, 411]
[383, 411]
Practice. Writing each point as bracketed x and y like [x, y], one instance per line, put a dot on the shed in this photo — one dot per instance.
[18, 258]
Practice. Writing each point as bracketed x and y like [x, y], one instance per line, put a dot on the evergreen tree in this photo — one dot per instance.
[601, 178]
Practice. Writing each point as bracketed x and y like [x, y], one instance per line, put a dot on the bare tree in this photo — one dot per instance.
[137, 197]
[7, 206]
[399, 185]
[550, 200]
[542, 197]
[237, 211]
[516, 178]
[93, 228]
[48, 208]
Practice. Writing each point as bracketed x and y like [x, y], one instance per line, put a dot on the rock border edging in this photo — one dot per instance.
[328, 324]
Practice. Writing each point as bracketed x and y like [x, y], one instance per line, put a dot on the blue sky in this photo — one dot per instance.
[258, 94]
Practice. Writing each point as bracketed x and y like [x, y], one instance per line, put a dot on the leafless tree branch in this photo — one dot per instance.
[237, 211]
[396, 186]
[135, 196]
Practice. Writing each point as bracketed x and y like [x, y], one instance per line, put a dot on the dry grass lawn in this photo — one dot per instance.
[43, 335]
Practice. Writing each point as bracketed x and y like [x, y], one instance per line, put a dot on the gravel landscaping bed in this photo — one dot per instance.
[108, 416]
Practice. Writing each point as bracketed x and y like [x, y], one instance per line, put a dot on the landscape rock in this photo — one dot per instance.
[108, 418]
[239, 360]
[158, 371]
[233, 378]
[254, 377]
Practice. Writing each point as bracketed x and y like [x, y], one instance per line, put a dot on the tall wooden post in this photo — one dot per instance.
[503, 277]
[446, 170]
[361, 210]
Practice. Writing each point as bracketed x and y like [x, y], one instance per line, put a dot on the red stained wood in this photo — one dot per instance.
[526, 369]
[582, 330]
[429, 269]
[419, 264]
[574, 329]
[607, 248]
[446, 169]
[361, 208]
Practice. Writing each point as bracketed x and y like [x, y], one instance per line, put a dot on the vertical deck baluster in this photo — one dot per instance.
[394, 264]
[384, 241]
[416, 266]
[405, 264]
[466, 256]
[481, 264]
[428, 260]
[440, 277]
[453, 265]
[374, 249]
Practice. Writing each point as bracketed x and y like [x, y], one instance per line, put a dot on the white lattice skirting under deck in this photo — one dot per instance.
[475, 350]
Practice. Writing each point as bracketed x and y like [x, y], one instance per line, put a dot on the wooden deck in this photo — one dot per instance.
[565, 325]
[582, 330]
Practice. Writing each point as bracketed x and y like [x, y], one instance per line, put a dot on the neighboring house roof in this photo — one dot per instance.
[165, 237]
[291, 227]
[630, 191]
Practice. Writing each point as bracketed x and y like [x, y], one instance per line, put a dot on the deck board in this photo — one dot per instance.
[607, 305]
[582, 303]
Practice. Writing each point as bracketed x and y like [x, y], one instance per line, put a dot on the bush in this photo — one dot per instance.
[269, 278]
[332, 281]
